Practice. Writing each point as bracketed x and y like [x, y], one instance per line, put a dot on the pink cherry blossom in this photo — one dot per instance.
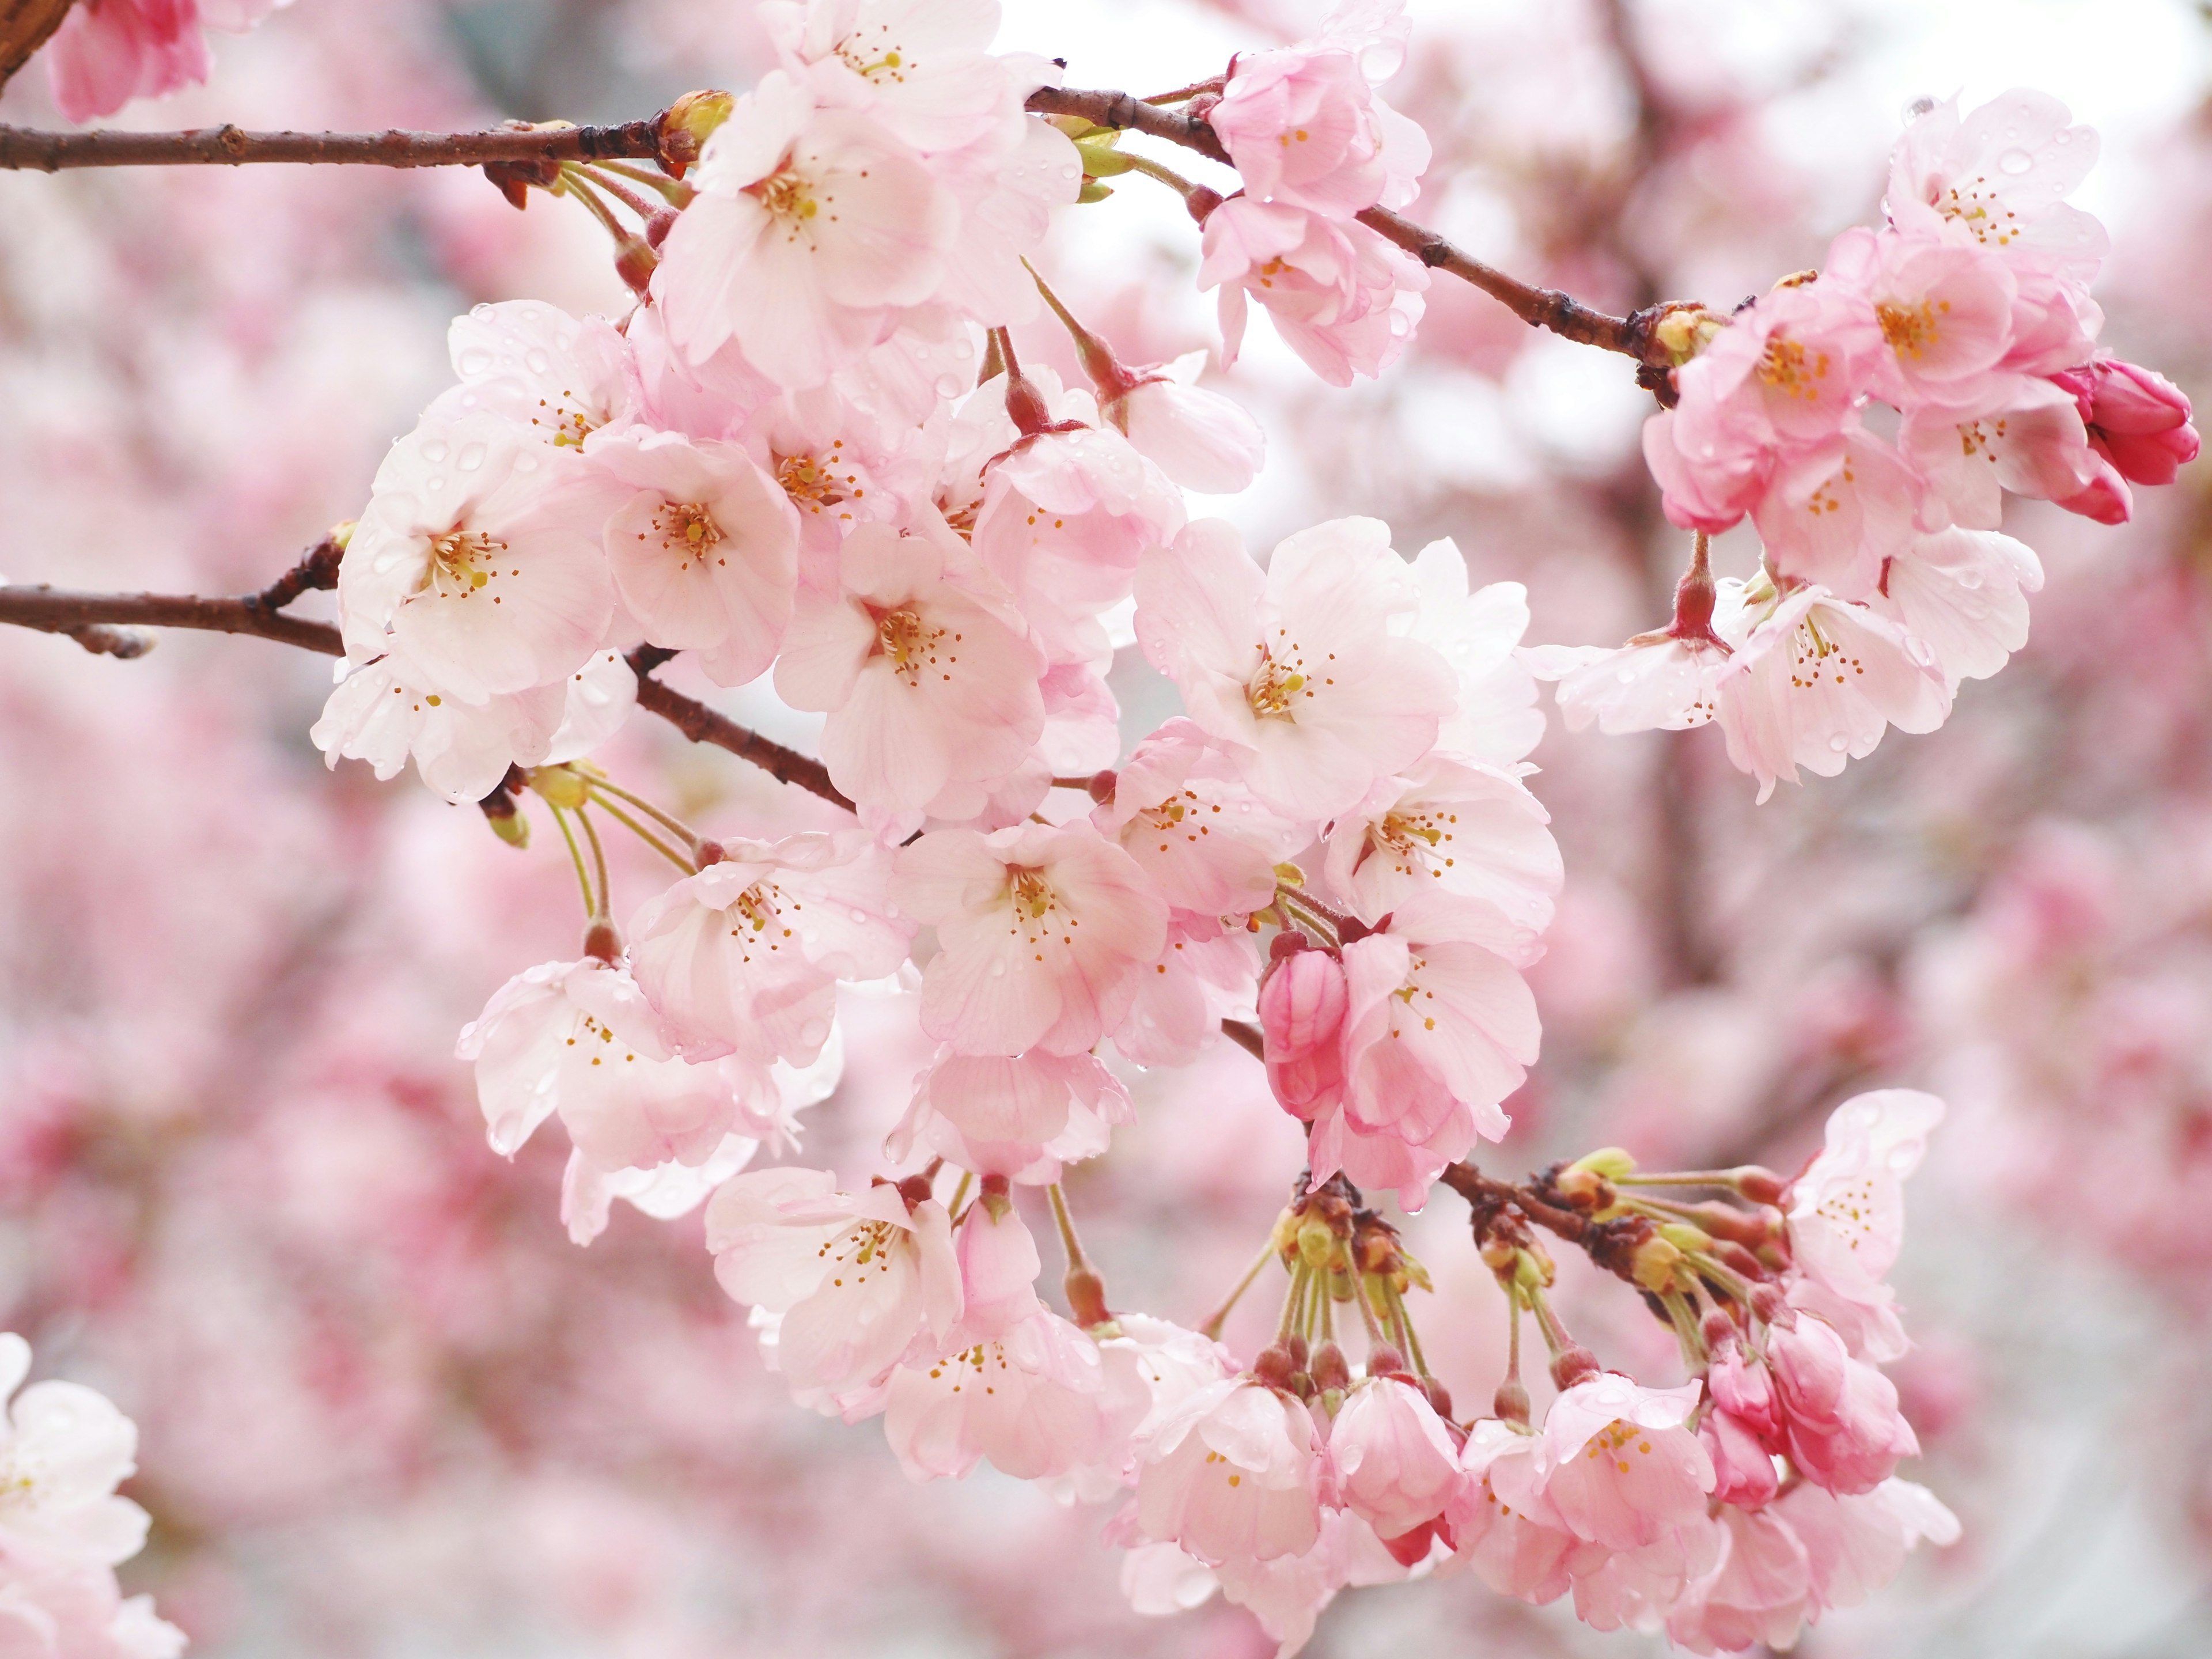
[1450, 832]
[1232, 1473]
[924, 683]
[1815, 681]
[578, 1039]
[65, 1449]
[744, 957]
[810, 226]
[2000, 176]
[1741, 1428]
[923, 69]
[1619, 1464]
[1303, 1000]
[1844, 1432]
[1286, 1594]
[1042, 934]
[1479, 634]
[1759, 1592]
[564, 378]
[2033, 444]
[1504, 1529]
[1963, 593]
[1023, 1116]
[1945, 310]
[1342, 297]
[1297, 673]
[854, 1279]
[1204, 976]
[705, 554]
[1390, 1460]
[1180, 811]
[108, 52]
[479, 552]
[1029, 1399]
[2138, 419]
[383, 712]
[1834, 512]
[1657, 683]
[1202, 439]
[1846, 1212]
[1299, 123]
[1856, 1544]
[664, 1192]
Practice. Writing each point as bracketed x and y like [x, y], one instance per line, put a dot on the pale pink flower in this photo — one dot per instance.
[1390, 1460]
[1180, 811]
[1437, 1031]
[2033, 444]
[744, 957]
[1151, 1366]
[1855, 1546]
[479, 552]
[563, 377]
[1833, 513]
[1450, 831]
[1845, 1430]
[1064, 518]
[2138, 419]
[1496, 719]
[1816, 680]
[2000, 176]
[384, 713]
[810, 228]
[58, 1603]
[1343, 298]
[1303, 1000]
[664, 1192]
[1963, 593]
[1945, 310]
[705, 554]
[1299, 123]
[1759, 1593]
[925, 685]
[1041, 933]
[1204, 976]
[1618, 1463]
[1846, 1212]
[1286, 1593]
[64, 1449]
[1655, 683]
[1504, 1527]
[1022, 1116]
[1232, 1472]
[108, 52]
[999, 1269]
[921, 67]
[1297, 673]
[578, 1039]
[1029, 1398]
[1006, 187]
[1741, 1430]
[1202, 439]
[855, 1279]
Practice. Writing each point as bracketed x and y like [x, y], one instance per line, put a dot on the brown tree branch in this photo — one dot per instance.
[23, 150]
[110, 623]
[25, 26]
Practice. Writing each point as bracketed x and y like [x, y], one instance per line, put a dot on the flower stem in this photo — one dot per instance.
[645, 835]
[603, 908]
[1066, 1222]
[576, 857]
[678, 193]
[1212, 1328]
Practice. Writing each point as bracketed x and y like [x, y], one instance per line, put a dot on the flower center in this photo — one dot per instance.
[462, 562]
[787, 197]
[1614, 1438]
[1414, 836]
[1032, 894]
[812, 482]
[1276, 689]
[1790, 369]
[758, 915]
[1814, 657]
[569, 422]
[1910, 329]
[912, 645]
[863, 1245]
[688, 531]
[1980, 211]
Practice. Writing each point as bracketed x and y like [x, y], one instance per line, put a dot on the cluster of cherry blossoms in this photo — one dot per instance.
[64, 1449]
[1868, 419]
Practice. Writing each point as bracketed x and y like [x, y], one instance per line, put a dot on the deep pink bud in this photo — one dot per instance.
[1302, 1006]
[2107, 501]
[2137, 418]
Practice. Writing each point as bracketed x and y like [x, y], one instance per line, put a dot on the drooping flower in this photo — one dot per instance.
[1391, 1461]
[1846, 1214]
[1840, 1414]
[1041, 931]
[744, 957]
[856, 1279]
[1618, 1463]
[1962, 593]
[1302, 999]
[1856, 1544]
[108, 52]
[1202, 439]
[1504, 1529]
[1757, 1593]
[1342, 296]
[1297, 673]
[1233, 1472]
[1022, 1116]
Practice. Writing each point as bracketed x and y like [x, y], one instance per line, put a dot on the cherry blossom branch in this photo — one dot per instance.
[1633, 336]
[23, 149]
[109, 623]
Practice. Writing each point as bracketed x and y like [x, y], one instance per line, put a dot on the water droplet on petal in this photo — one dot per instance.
[537, 361]
[477, 362]
[2015, 163]
[471, 458]
[434, 451]
[1839, 743]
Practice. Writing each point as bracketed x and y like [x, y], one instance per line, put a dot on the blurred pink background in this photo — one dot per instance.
[388, 1409]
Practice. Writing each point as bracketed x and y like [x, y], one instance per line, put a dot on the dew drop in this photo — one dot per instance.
[1839, 743]
[477, 362]
[536, 361]
[2015, 163]
[434, 451]
[470, 458]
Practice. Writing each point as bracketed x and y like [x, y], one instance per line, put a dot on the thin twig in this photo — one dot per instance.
[25, 150]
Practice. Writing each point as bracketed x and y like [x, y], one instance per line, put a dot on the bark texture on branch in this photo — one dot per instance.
[23, 150]
[25, 26]
[60, 610]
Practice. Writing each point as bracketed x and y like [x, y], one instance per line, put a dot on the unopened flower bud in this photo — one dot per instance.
[1586, 1190]
[1383, 1359]
[1611, 1162]
[1511, 1403]
[1087, 1297]
[1439, 1396]
[1571, 1364]
[1653, 1263]
[634, 261]
[602, 942]
[1760, 1185]
[1330, 1369]
[1273, 1366]
[658, 227]
[687, 123]
[1101, 787]
[1688, 1239]
[561, 785]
